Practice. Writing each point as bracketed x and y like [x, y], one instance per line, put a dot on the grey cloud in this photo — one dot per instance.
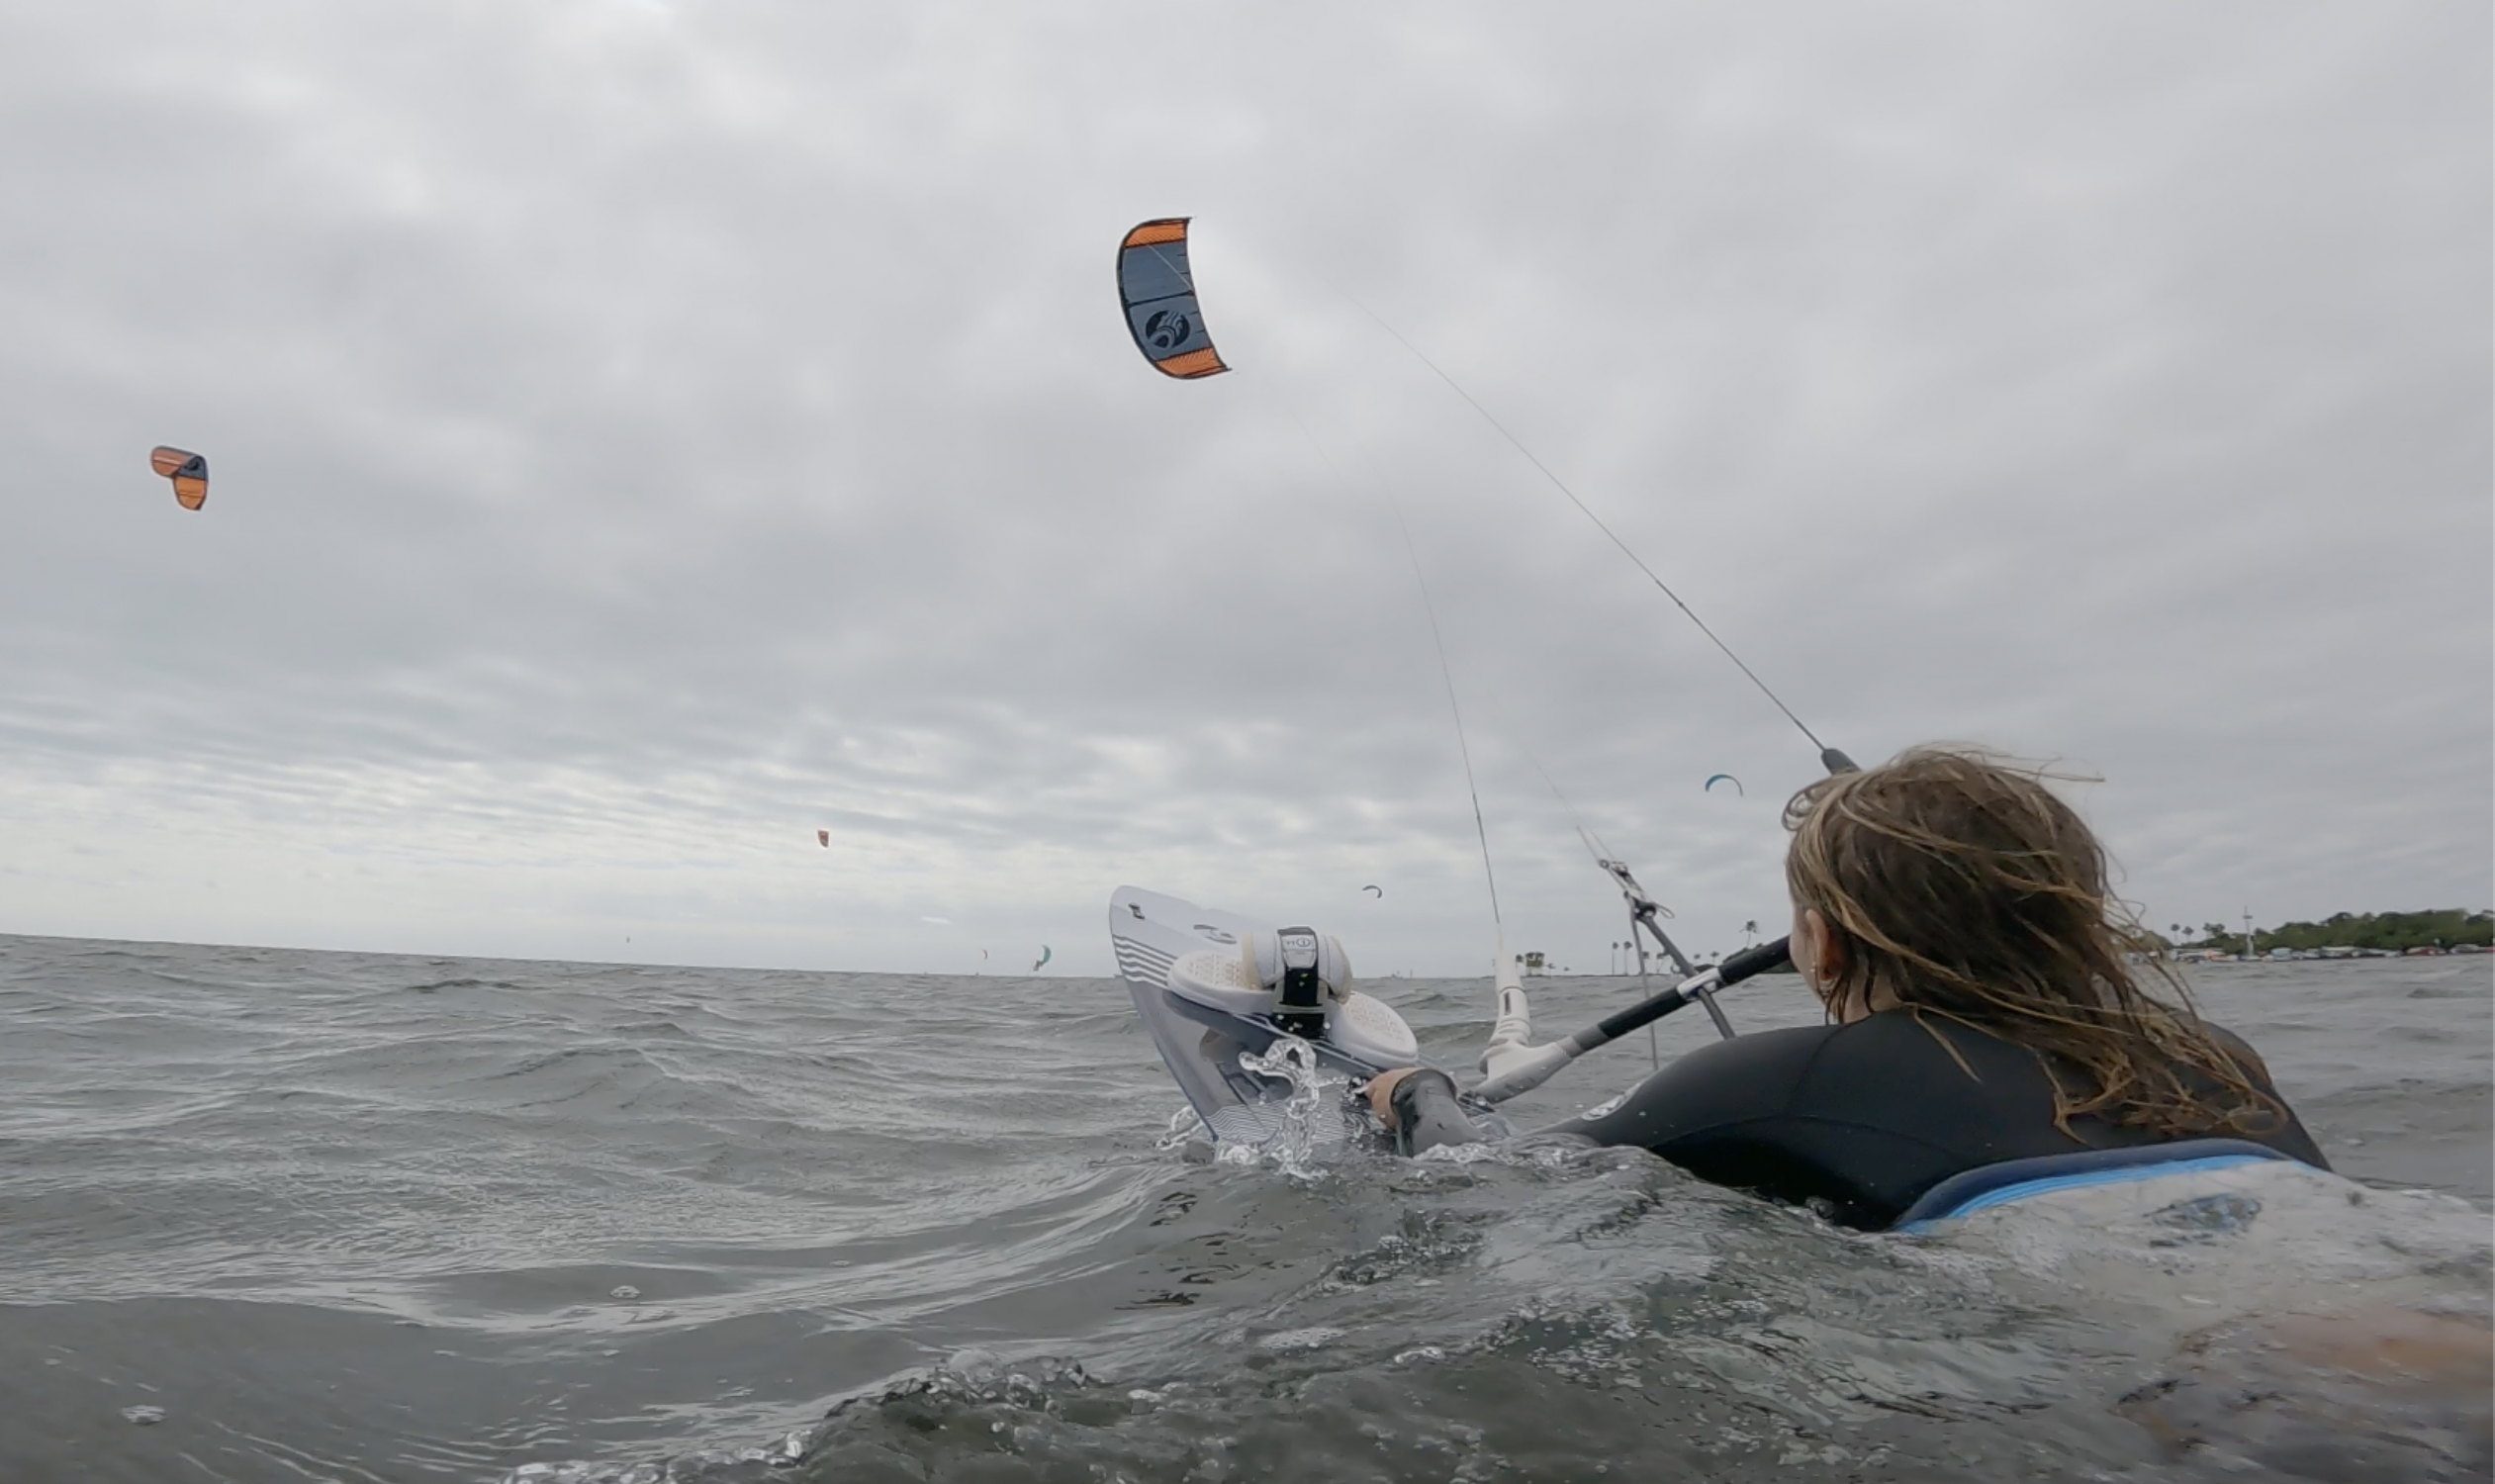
[645, 434]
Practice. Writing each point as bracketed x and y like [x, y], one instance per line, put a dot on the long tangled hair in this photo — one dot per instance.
[1960, 887]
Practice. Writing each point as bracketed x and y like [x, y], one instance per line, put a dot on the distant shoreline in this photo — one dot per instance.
[2328, 955]
[2342, 935]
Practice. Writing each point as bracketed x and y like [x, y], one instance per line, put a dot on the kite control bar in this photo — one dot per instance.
[1514, 1067]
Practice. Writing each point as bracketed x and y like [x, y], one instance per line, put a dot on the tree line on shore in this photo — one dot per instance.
[2392, 932]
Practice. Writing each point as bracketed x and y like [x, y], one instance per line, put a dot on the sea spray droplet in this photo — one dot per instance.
[577, 1473]
[146, 1417]
[1316, 1336]
[973, 1365]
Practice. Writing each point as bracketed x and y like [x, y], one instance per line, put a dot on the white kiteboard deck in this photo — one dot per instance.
[1203, 1046]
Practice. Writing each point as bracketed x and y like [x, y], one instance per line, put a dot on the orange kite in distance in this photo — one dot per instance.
[187, 470]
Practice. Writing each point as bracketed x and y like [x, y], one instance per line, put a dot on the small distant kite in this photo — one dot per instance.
[1159, 293]
[1379, 890]
[187, 470]
[1044, 959]
[824, 837]
[1725, 777]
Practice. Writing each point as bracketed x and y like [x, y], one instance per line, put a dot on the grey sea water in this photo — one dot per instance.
[286, 1216]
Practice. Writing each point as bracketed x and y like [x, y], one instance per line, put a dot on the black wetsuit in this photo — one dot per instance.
[1859, 1120]
[1856, 1121]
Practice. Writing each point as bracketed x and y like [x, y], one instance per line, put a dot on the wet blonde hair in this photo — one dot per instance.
[1957, 885]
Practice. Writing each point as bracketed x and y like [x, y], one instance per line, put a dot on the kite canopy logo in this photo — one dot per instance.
[1157, 290]
[187, 470]
[1167, 330]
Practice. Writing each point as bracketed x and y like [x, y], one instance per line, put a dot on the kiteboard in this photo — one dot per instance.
[1194, 976]
[2209, 1180]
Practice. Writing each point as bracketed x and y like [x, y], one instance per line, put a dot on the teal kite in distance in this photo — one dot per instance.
[1044, 959]
[1727, 778]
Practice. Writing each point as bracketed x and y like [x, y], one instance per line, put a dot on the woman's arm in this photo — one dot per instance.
[1731, 1083]
[1734, 1082]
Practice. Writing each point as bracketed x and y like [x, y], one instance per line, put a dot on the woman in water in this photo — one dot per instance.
[1952, 915]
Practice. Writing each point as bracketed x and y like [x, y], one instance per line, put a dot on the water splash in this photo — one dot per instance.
[1292, 1147]
[1186, 1127]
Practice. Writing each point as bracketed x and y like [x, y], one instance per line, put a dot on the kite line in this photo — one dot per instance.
[1587, 511]
[1156, 291]
[1437, 641]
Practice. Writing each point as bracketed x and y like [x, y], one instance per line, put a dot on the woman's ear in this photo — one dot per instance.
[1817, 953]
[1810, 942]
[1829, 948]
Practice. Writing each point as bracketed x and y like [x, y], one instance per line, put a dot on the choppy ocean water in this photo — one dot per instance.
[288, 1216]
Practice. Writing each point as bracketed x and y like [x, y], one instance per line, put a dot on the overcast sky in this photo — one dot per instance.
[646, 433]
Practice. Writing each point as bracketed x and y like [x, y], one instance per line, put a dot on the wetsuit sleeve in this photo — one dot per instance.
[1745, 1080]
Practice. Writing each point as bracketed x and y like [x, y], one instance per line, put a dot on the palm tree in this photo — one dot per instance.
[1749, 932]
